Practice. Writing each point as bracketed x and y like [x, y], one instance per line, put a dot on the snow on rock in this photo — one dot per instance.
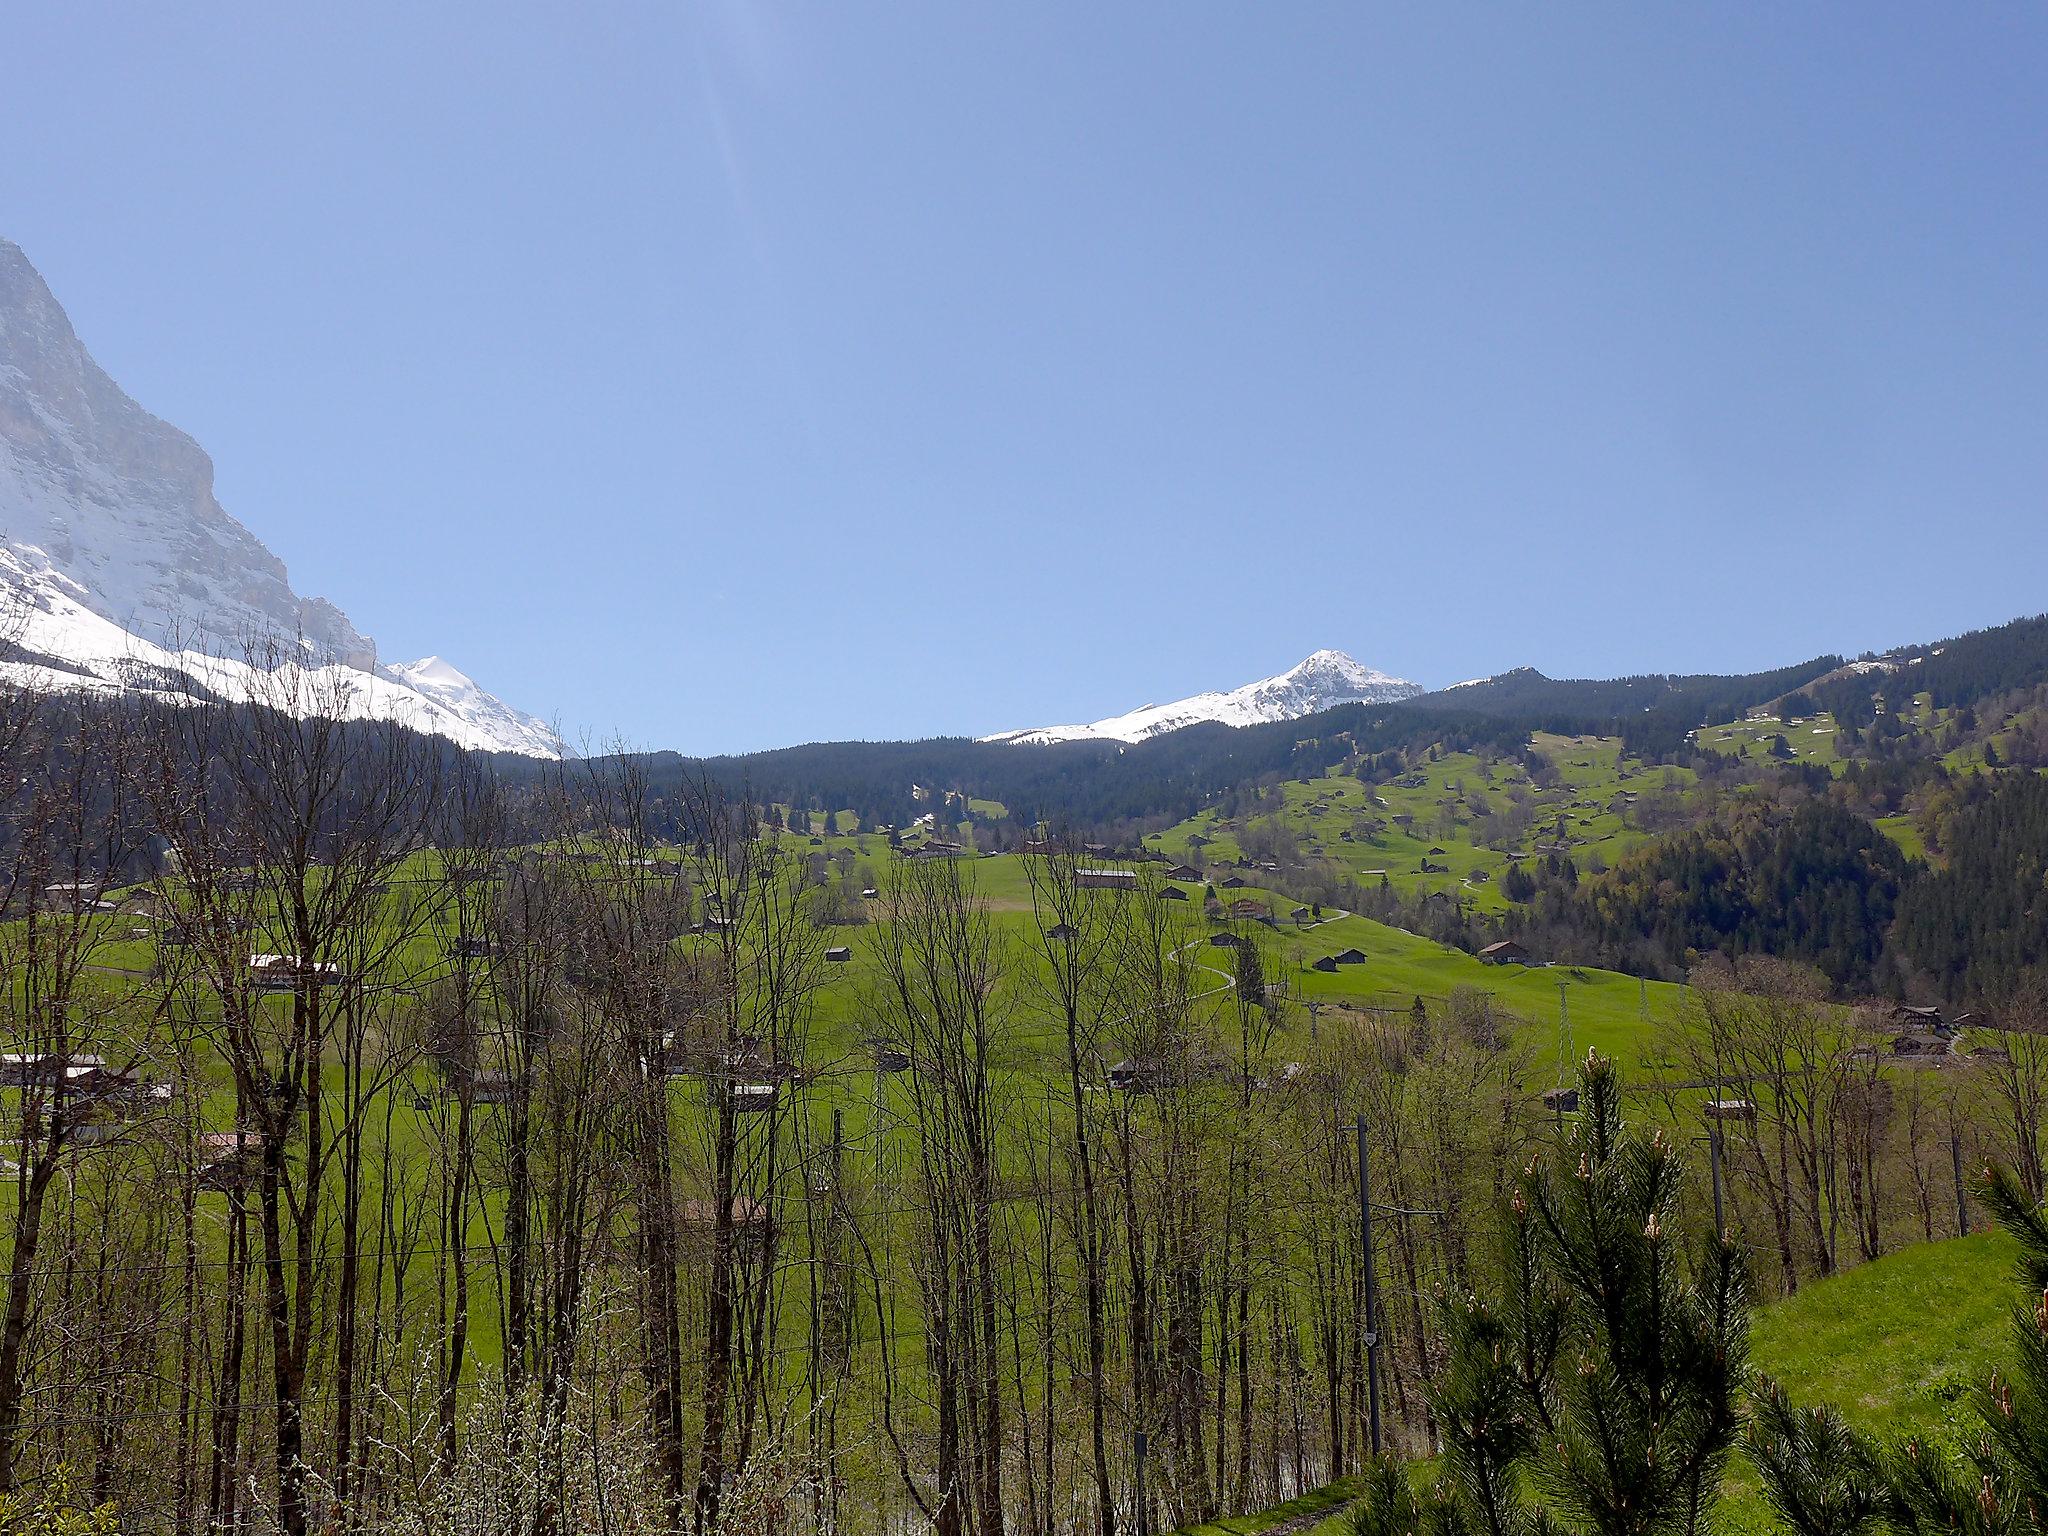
[129, 575]
[1320, 682]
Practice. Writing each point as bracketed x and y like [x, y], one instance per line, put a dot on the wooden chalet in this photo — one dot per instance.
[1327, 964]
[226, 1160]
[1923, 1020]
[1349, 957]
[287, 973]
[1504, 952]
[888, 1056]
[1184, 872]
[1106, 879]
[1131, 1076]
[750, 1221]
[46, 1069]
[1172, 893]
[839, 954]
[77, 896]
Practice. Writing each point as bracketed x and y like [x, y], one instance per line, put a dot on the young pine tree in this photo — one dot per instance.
[1594, 1385]
[1821, 1477]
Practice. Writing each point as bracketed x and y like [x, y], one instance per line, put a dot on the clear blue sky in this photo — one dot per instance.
[729, 375]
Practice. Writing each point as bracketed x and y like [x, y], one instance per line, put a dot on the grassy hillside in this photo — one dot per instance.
[1895, 1345]
[1465, 817]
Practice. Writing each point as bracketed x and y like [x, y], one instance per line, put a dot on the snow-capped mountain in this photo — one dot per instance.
[127, 573]
[1322, 681]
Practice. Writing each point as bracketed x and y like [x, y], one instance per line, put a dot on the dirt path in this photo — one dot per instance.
[1300, 1523]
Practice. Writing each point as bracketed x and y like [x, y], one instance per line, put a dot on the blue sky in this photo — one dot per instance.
[721, 376]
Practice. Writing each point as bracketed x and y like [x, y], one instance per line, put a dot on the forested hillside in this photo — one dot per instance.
[1972, 927]
[1818, 884]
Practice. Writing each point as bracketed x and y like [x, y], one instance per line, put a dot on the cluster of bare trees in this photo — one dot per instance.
[1845, 1131]
[390, 1149]
[393, 1150]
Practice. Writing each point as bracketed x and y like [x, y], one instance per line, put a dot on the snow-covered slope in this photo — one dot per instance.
[486, 714]
[1322, 681]
[51, 641]
[113, 543]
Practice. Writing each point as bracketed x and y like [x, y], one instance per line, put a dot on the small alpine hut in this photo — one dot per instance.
[1561, 1101]
[888, 1056]
[839, 954]
[226, 1160]
[1133, 1076]
[287, 973]
[750, 1223]
[1505, 952]
[1106, 879]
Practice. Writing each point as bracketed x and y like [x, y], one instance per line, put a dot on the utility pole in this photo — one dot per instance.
[1955, 1155]
[1564, 1032]
[1714, 1150]
[1372, 1333]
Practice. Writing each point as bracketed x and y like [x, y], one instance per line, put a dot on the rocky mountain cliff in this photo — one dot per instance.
[108, 514]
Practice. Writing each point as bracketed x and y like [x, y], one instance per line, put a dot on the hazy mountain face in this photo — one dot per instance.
[114, 548]
[1321, 681]
[123, 504]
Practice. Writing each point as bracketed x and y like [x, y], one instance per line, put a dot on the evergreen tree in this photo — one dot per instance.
[1593, 1387]
[1820, 1475]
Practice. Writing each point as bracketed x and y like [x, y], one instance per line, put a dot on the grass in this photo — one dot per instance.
[1895, 1344]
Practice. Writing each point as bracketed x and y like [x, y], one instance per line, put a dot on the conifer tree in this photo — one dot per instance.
[1820, 1475]
[1593, 1386]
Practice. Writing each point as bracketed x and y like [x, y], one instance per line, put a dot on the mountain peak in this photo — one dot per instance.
[1321, 680]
